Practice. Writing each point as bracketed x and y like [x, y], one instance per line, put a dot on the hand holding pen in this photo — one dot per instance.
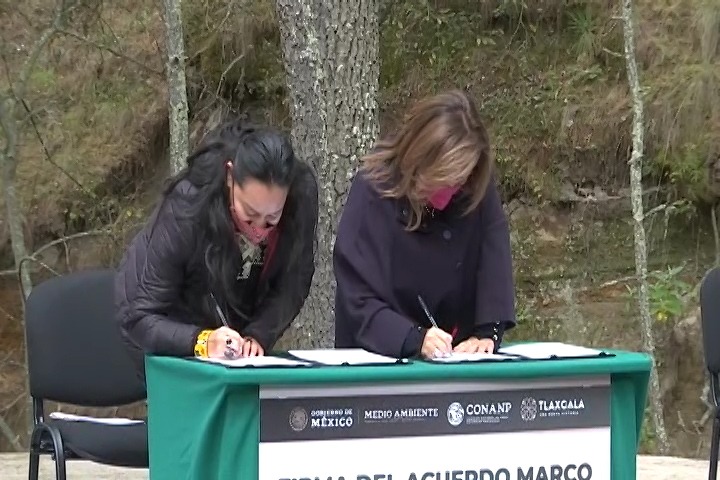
[437, 342]
[227, 342]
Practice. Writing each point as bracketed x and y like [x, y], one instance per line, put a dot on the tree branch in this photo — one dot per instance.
[6, 123]
[58, 241]
[11, 436]
[49, 158]
[110, 50]
[29, 65]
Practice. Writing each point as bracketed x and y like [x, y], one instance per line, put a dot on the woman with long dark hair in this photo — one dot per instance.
[422, 256]
[225, 262]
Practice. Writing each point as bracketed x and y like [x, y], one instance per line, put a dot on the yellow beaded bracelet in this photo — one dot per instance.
[201, 345]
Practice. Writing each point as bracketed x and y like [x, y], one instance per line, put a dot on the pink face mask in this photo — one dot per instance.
[440, 199]
[254, 234]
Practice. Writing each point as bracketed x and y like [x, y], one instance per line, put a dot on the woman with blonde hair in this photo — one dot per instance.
[422, 257]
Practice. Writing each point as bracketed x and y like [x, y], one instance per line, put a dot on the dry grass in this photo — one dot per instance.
[533, 64]
[233, 52]
[87, 104]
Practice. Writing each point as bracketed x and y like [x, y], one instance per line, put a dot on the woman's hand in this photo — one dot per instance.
[476, 345]
[251, 348]
[437, 343]
[224, 340]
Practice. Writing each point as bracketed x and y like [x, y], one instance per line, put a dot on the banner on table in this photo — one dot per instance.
[541, 433]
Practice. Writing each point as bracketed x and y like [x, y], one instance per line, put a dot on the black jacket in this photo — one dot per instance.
[161, 288]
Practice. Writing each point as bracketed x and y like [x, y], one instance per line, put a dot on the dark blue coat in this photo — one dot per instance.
[460, 264]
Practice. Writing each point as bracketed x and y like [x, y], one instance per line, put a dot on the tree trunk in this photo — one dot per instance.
[177, 92]
[13, 211]
[331, 62]
[11, 127]
[7, 180]
[636, 190]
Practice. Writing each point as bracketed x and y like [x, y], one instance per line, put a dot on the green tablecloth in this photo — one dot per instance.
[203, 418]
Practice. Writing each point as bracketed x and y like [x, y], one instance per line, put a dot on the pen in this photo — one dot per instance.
[229, 351]
[431, 318]
[427, 312]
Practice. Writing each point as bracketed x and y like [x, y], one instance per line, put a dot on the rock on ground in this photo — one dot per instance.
[13, 466]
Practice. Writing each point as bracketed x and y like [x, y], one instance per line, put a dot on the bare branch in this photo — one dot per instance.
[110, 50]
[64, 241]
[31, 117]
[7, 314]
[29, 65]
[11, 436]
[6, 124]
[74, 236]
[225, 72]
[150, 69]
[17, 399]
[6, 64]
[210, 36]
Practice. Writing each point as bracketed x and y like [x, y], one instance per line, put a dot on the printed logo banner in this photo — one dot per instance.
[542, 433]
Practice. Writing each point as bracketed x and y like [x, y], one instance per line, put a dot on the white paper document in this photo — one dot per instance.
[264, 361]
[342, 356]
[545, 350]
[456, 357]
[105, 421]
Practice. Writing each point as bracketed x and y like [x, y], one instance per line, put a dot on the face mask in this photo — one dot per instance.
[255, 235]
[440, 199]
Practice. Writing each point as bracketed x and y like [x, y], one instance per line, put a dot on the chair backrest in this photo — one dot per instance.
[75, 350]
[710, 317]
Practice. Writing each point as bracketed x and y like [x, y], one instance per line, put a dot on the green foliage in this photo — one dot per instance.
[415, 33]
[582, 24]
[648, 439]
[667, 292]
[42, 79]
[685, 168]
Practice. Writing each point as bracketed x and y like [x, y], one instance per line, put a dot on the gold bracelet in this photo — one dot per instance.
[201, 345]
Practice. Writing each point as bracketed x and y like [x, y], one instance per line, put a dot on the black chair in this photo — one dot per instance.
[710, 315]
[76, 356]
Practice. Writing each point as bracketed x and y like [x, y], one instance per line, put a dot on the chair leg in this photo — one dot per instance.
[60, 462]
[34, 465]
[714, 449]
[58, 450]
[34, 470]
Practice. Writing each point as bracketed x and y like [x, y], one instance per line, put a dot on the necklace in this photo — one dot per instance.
[251, 255]
[430, 211]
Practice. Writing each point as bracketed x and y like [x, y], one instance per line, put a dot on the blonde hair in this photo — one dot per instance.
[441, 143]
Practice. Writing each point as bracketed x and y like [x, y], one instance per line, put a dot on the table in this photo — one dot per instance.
[204, 419]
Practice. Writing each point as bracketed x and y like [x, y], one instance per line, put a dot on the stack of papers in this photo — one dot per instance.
[105, 421]
[265, 361]
[526, 351]
[547, 350]
[342, 356]
[455, 357]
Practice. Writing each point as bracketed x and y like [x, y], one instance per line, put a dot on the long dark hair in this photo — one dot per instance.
[260, 153]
